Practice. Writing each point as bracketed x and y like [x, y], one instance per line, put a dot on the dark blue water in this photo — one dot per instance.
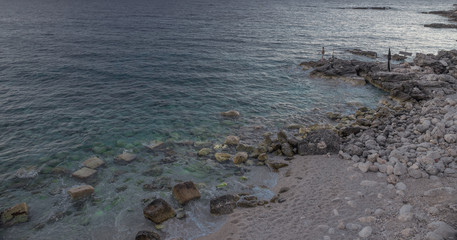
[82, 78]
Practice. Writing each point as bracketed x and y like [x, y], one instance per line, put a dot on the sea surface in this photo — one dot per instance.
[86, 78]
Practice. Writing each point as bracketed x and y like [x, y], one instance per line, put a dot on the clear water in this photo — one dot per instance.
[83, 78]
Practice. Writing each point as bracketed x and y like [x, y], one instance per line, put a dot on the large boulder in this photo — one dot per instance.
[16, 214]
[223, 204]
[286, 149]
[321, 141]
[158, 211]
[240, 157]
[185, 192]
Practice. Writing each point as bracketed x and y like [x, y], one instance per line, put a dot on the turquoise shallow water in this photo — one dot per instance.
[80, 78]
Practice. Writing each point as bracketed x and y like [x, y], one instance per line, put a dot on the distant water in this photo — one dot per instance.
[83, 78]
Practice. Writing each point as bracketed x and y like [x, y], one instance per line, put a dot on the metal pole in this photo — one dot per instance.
[389, 56]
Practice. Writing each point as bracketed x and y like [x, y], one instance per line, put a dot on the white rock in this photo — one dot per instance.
[405, 213]
[366, 232]
[364, 166]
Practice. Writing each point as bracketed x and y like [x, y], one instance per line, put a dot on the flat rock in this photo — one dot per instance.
[16, 214]
[125, 157]
[80, 191]
[222, 157]
[84, 173]
[158, 211]
[185, 192]
[93, 162]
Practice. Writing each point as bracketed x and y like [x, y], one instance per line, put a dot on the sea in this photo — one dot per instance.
[82, 78]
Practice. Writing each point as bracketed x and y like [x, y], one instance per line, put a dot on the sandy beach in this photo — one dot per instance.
[330, 199]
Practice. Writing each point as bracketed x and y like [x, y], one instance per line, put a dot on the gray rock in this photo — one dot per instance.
[400, 186]
[286, 149]
[353, 150]
[365, 232]
[433, 236]
[405, 213]
[353, 226]
[399, 169]
[443, 229]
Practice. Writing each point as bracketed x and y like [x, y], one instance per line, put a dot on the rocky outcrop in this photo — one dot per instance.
[185, 192]
[441, 25]
[158, 211]
[14, 215]
[321, 141]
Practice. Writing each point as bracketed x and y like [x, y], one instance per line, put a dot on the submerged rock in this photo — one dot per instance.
[230, 113]
[204, 152]
[125, 157]
[232, 140]
[27, 172]
[185, 192]
[84, 173]
[93, 162]
[158, 211]
[222, 157]
[224, 204]
[80, 191]
[147, 235]
[16, 214]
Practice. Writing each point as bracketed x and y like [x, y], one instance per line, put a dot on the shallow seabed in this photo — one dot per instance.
[79, 79]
